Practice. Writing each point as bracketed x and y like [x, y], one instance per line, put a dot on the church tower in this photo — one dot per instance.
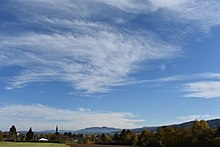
[57, 130]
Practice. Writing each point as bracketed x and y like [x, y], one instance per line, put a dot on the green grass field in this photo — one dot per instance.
[24, 144]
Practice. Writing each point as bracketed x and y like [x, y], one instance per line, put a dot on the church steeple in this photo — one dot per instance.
[57, 130]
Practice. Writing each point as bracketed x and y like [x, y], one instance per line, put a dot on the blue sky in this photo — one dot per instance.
[117, 63]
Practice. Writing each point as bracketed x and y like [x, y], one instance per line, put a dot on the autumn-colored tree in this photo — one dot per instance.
[201, 133]
[167, 136]
[145, 138]
[183, 137]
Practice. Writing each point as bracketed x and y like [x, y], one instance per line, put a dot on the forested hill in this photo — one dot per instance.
[212, 123]
[97, 130]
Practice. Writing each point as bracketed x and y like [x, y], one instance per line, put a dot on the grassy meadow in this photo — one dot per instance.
[24, 144]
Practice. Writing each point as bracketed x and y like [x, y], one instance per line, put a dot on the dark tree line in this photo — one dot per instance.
[13, 135]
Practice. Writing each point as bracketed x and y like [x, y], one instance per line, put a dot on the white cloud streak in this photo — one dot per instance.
[202, 85]
[209, 75]
[41, 117]
[203, 89]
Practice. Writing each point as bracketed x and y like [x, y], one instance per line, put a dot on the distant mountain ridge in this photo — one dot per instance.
[110, 130]
[97, 130]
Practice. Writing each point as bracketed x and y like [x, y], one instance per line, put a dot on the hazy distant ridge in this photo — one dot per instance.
[110, 130]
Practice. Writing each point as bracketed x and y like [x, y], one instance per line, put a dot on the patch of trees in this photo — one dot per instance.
[198, 135]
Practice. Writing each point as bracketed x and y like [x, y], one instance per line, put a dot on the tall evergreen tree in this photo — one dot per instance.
[30, 134]
[12, 133]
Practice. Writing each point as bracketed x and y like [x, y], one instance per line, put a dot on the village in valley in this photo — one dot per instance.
[198, 133]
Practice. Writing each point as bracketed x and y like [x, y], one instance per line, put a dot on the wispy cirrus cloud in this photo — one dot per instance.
[204, 14]
[132, 6]
[144, 6]
[91, 56]
[41, 117]
[70, 41]
[90, 63]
